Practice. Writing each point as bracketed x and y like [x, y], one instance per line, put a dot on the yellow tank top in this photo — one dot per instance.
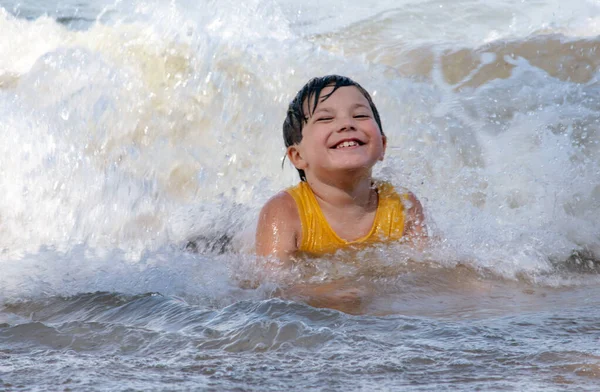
[319, 238]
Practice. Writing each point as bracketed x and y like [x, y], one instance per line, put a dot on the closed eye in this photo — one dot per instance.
[361, 116]
[322, 119]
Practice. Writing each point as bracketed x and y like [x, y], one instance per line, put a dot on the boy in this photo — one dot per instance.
[334, 137]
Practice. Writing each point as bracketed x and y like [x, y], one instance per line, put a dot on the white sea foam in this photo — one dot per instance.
[161, 122]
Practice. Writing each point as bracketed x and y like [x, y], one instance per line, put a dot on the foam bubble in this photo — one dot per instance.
[153, 126]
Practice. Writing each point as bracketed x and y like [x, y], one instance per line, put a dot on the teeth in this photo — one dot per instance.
[347, 144]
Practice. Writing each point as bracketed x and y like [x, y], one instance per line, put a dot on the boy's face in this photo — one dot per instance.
[340, 135]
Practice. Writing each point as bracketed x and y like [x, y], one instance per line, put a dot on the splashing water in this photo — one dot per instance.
[130, 128]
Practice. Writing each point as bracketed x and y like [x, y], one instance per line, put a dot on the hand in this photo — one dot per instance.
[345, 295]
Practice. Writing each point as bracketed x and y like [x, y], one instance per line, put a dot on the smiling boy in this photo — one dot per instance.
[334, 137]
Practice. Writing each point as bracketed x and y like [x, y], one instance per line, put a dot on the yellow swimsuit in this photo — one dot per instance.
[319, 238]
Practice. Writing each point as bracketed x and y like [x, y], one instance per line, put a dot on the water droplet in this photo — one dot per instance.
[64, 114]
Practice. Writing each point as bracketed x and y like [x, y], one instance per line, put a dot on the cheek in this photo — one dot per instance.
[375, 128]
[318, 141]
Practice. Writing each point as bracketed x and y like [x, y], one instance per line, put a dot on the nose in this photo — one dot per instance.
[347, 123]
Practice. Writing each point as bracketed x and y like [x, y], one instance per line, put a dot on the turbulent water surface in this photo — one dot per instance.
[139, 140]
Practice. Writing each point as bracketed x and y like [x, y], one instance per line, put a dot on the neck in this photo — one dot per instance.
[344, 191]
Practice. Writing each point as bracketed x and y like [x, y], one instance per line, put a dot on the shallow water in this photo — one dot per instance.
[130, 129]
[496, 340]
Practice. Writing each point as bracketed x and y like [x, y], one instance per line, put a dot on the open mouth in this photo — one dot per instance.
[348, 143]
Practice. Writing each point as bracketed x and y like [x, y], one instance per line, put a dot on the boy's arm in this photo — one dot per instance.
[277, 236]
[346, 295]
[278, 228]
[415, 229]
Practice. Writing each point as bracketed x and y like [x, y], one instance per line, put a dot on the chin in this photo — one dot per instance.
[354, 168]
[354, 165]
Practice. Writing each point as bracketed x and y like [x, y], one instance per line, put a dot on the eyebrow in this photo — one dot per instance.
[360, 105]
[321, 110]
[354, 106]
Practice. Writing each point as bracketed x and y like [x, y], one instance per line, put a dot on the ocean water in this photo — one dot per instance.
[139, 140]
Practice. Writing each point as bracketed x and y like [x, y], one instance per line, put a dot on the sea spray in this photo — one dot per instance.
[156, 128]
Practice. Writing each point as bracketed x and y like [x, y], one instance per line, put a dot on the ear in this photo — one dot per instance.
[295, 156]
[384, 141]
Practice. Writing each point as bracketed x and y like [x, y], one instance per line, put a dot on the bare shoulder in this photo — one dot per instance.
[415, 217]
[413, 203]
[414, 208]
[409, 201]
[280, 207]
[279, 226]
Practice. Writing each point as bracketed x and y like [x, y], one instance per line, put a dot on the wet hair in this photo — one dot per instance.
[310, 93]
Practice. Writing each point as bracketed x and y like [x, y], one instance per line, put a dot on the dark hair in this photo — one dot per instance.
[296, 117]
